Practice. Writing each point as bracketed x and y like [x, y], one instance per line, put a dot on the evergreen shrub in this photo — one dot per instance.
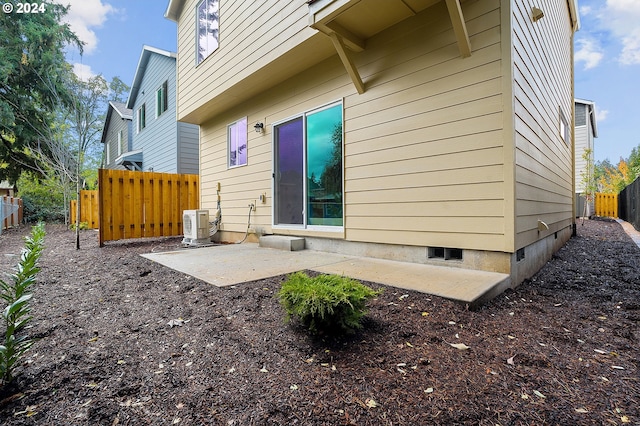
[326, 304]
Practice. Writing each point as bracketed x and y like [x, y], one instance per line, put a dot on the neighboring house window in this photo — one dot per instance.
[161, 99]
[141, 116]
[564, 128]
[237, 136]
[308, 185]
[581, 115]
[207, 27]
[119, 143]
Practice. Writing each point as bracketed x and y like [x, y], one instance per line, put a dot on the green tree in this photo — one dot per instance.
[587, 179]
[634, 161]
[43, 200]
[119, 90]
[33, 71]
[600, 173]
[615, 179]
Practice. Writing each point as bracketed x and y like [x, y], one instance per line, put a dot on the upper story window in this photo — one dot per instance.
[141, 118]
[208, 25]
[120, 134]
[161, 99]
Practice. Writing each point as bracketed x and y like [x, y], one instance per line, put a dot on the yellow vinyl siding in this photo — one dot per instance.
[429, 134]
[463, 162]
[451, 208]
[251, 35]
[471, 192]
[541, 89]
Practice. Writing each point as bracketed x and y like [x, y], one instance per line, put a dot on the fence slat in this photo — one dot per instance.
[143, 204]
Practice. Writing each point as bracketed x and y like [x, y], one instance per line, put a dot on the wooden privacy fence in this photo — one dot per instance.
[629, 204]
[11, 211]
[88, 209]
[606, 205]
[144, 204]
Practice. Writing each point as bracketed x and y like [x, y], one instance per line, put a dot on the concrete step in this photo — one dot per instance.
[282, 242]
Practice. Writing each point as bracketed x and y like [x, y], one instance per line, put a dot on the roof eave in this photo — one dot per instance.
[107, 119]
[591, 106]
[173, 8]
[575, 16]
[141, 68]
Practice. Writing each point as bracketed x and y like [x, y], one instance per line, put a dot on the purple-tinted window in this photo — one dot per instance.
[289, 169]
[238, 143]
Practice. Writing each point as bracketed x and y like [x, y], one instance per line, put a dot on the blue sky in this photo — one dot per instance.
[114, 32]
[607, 56]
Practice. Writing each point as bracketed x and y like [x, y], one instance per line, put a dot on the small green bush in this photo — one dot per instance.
[328, 304]
[83, 226]
[16, 313]
[43, 200]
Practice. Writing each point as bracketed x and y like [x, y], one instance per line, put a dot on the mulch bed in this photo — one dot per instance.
[125, 341]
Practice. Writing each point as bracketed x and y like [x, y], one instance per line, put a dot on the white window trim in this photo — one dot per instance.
[197, 42]
[246, 130]
[164, 100]
[305, 225]
[563, 128]
[139, 127]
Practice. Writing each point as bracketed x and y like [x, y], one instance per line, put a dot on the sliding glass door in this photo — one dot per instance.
[308, 181]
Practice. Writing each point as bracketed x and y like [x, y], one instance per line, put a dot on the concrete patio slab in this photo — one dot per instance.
[232, 264]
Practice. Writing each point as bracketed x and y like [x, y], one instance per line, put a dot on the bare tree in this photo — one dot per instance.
[85, 124]
[71, 135]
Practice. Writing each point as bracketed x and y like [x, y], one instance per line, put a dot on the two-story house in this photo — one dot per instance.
[431, 131]
[156, 141]
[116, 137]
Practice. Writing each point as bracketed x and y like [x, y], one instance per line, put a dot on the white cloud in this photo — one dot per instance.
[585, 10]
[631, 48]
[622, 19]
[589, 52]
[601, 115]
[84, 16]
[83, 72]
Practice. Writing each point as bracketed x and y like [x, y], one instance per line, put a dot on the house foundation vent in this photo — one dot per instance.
[444, 253]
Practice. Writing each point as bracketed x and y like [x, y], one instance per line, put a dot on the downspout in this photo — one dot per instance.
[573, 133]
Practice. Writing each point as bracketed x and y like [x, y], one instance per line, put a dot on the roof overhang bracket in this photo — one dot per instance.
[459, 27]
[339, 44]
[342, 40]
[352, 41]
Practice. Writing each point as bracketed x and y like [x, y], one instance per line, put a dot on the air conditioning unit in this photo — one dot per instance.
[195, 224]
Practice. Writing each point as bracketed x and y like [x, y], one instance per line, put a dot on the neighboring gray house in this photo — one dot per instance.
[585, 132]
[116, 137]
[160, 143]
[6, 188]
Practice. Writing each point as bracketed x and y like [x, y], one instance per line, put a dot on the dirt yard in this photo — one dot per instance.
[124, 341]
